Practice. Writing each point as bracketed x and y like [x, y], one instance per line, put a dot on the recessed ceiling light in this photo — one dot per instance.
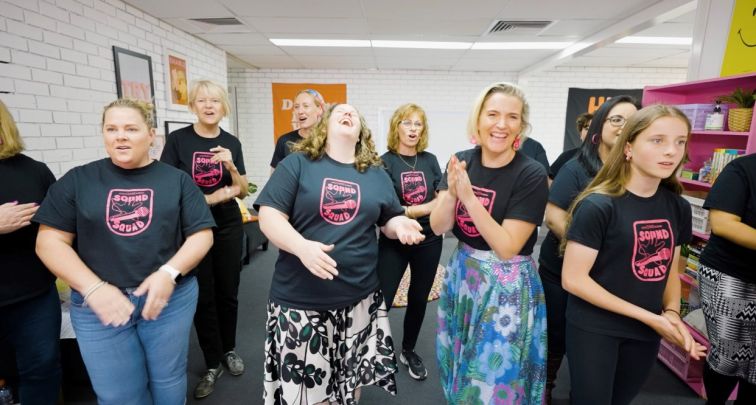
[350, 43]
[656, 40]
[421, 44]
[519, 45]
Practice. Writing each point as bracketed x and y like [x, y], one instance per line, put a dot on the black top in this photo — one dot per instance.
[23, 274]
[534, 150]
[569, 183]
[127, 222]
[733, 192]
[636, 239]
[415, 180]
[516, 191]
[561, 161]
[283, 146]
[188, 151]
[332, 203]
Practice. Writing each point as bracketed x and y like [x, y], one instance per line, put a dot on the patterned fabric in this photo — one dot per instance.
[316, 356]
[491, 344]
[729, 307]
[400, 299]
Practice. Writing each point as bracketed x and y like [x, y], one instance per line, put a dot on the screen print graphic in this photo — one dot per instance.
[339, 201]
[414, 187]
[129, 211]
[653, 249]
[465, 223]
[205, 172]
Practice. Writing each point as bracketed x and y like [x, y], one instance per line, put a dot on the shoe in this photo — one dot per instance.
[414, 364]
[206, 386]
[234, 363]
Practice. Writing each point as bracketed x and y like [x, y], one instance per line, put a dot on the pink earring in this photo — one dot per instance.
[594, 139]
[628, 157]
[516, 144]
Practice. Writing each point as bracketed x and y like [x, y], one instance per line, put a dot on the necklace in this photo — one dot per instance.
[411, 166]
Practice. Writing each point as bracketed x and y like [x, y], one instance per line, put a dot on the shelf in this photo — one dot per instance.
[694, 182]
[719, 133]
[704, 236]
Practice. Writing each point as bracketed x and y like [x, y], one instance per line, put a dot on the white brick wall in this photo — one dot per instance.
[61, 70]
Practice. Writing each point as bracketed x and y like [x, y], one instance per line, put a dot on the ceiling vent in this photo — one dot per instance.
[504, 26]
[218, 21]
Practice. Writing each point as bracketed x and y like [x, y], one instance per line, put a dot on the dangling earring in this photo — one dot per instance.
[516, 144]
[594, 139]
[628, 157]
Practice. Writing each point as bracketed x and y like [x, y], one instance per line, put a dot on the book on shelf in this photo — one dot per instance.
[721, 158]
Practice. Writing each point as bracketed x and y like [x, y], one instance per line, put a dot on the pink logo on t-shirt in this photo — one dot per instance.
[129, 211]
[205, 172]
[339, 201]
[465, 223]
[653, 249]
[413, 187]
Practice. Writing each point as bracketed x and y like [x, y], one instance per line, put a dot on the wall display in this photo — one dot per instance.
[133, 72]
[740, 51]
[171, 126]
[283, 102]
[586, 100]
[176, 80]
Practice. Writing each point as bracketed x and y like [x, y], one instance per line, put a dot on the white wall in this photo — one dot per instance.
[61, 70]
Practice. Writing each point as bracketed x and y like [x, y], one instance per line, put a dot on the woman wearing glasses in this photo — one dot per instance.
[415, 174]
[569, 182]
[308, 108]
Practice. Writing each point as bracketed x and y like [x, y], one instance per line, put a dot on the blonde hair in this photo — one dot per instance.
[401, 113]
[142, 107]
[615, 174]
[508, 89]
[10, 140]
[210, 87]
[319, 101]
[314, 145]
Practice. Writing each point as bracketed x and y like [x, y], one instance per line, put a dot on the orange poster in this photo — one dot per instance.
[283, 102]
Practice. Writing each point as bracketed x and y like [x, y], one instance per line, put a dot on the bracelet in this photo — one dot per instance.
[171, 271]
[93, 288]
[673, 310]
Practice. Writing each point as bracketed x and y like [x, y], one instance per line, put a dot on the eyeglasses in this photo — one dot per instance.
[410, 124]
[617, 120]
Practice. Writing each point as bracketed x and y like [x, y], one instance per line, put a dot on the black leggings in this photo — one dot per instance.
[607, 369]
[719, 386]
[218, 277]
[393, 258]
[556, 305]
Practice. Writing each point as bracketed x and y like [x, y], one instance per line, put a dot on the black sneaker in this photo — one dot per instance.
[414, 364]
[206, 385]
[234, 363]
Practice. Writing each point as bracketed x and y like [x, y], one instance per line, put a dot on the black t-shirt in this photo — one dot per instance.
[23, 274]
[561, 161]
[516, 191]
[636, 239]
[414, 186]
[570, 182]
[734, 192]
[127, 222]
[283, 146]
[332, 203]
[188, 151]
[534, 150]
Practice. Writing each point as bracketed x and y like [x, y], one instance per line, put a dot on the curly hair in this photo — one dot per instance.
[144, 108]
[402, 113]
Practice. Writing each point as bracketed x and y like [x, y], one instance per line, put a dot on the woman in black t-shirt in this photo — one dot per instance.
[728, 283]
[308, 108]
[124, 232]
[214, 159]
[577, 173]
[326, 315]
[623, 241]
[415, 174]
[491, 342]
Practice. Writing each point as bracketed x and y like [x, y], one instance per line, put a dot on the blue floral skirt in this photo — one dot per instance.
[491, 341]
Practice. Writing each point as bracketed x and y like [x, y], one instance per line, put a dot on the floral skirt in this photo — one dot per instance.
[316, 356]
[491, 342]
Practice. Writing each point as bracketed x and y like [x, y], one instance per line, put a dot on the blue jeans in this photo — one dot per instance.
[32, 327]
[142, 362]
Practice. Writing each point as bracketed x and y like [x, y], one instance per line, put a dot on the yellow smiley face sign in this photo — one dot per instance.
[740, 54]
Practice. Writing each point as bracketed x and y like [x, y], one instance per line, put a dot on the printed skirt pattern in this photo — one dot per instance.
[491, 342]
[729, 307]
[316, 356]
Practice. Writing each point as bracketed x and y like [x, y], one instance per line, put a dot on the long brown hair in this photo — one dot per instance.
[401, 113]
[615, 174]
[314, 145]
[10, 140]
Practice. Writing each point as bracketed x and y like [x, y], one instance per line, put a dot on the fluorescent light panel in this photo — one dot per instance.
[419, 44]
[347, 43]
[656, 40]
[519, 45]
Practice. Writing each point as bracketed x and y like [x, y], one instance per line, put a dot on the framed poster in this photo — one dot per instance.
[133, 73]
[171, 126]
[284, 94]
[176, 81]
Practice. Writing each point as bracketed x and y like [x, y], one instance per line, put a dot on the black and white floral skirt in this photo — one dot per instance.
[316, 356]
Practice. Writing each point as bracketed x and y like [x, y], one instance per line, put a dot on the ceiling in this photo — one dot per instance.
[591, 25]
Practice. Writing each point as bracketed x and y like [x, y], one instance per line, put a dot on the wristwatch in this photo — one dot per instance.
[170, 270]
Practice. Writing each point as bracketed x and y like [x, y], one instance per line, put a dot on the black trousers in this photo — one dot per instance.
[607, 369]
[719, 386]
[556, 305]
[218, 278]
[393, 258]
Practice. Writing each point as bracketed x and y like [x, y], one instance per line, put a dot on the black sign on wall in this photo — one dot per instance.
[588, 100]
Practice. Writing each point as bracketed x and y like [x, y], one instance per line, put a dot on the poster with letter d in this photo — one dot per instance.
[283, 102]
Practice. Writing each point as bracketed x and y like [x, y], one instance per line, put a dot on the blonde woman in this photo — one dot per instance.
[213, 157]
[308, 108]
